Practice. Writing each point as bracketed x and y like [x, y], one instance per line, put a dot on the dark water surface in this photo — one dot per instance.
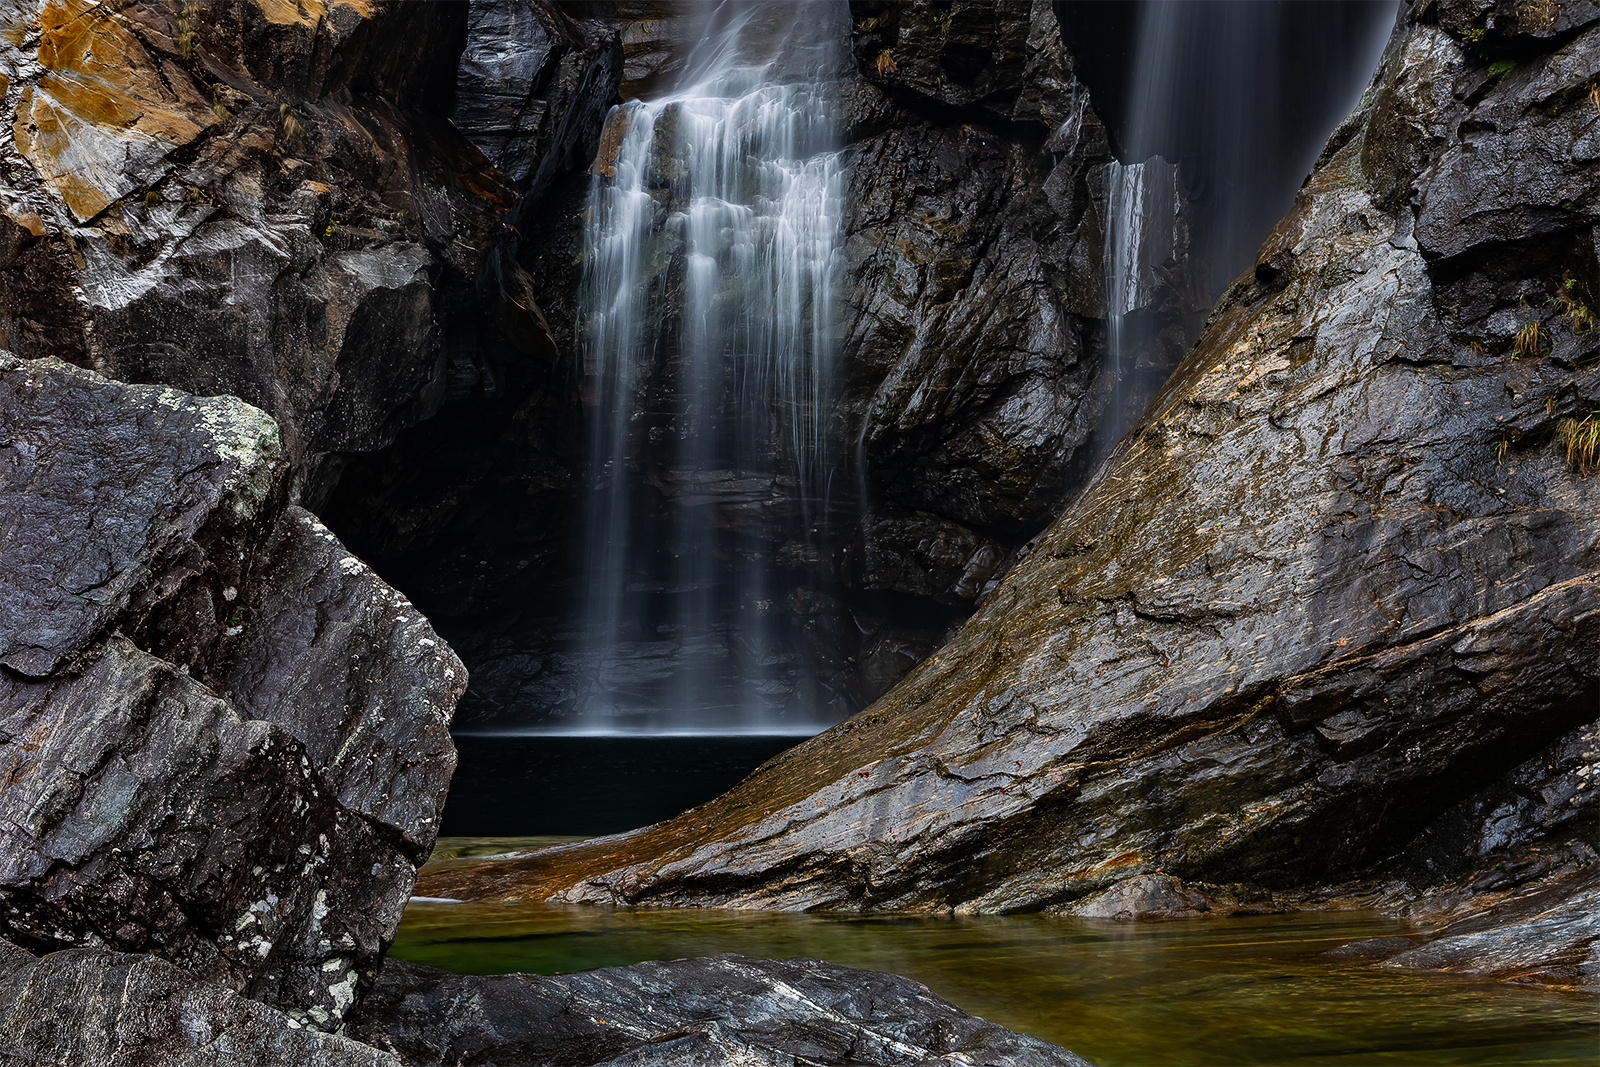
[1213, 991]
[520, 786]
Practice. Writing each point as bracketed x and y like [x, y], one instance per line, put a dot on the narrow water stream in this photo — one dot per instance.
[1209, 991]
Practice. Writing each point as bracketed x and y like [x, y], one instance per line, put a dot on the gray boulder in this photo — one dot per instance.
[92, 1006]
[224, 739]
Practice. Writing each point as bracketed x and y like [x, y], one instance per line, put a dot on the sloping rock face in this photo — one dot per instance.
[697, 1012]
[89, 1005]
[246, 198]
[224, 740]
[1344, 577]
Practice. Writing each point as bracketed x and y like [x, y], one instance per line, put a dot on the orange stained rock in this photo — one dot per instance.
[307, 12]
[98, 122]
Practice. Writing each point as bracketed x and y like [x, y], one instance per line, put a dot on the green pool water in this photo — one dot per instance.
[1210, 991]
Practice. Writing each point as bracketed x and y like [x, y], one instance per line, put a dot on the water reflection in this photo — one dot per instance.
[1213, 991]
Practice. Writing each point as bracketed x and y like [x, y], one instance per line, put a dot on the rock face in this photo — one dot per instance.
[1343, 577]
[246, 198]
[89, 1005]
[718, 1010]
[224, 740]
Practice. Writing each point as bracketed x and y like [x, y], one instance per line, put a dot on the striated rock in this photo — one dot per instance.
[1145, 896]
[246, 198]
[82, 1006]
[1549, 936]
[1342, 578]
[330, 653]
[532, 88]
[224, 740]
[717, 1010]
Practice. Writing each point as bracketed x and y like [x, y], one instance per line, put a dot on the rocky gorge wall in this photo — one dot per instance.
[971, 359]
[1330, 605]
[1324, 625]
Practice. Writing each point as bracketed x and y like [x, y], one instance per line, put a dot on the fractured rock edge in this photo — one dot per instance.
[225, 741]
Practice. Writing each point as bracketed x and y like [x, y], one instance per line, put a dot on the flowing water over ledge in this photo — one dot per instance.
[1208, 991]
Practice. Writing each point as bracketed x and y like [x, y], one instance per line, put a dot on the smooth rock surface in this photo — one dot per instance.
[725, 1009]
[151, 571]
[1339, 580]
[1549, 936]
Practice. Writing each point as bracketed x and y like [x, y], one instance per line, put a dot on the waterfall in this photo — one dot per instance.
[706, 311]
[1219, 128]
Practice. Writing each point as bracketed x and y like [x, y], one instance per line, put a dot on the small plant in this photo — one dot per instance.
[886, 62]
[152, 198]
[1580, 438]
[1594, 95]
[291, 131]
[1476, 347]
[1579, 315]
[186, 30]
[867, 25]
[1530, 340]
[1500, 68]
[328, 230]
[941, 19]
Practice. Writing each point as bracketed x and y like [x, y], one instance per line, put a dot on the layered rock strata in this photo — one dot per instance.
[1341, 579]
[224, 741]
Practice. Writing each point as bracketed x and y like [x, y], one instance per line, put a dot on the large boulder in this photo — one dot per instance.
[695, 1012]
[1344, 576]
[225, 741]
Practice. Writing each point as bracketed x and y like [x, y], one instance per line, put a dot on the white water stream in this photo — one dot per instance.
[707, 311]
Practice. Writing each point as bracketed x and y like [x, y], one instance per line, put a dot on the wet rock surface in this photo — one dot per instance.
[90, 1005]
[1340, 580]
[716, 1010]
[247, 198]
[151, 571]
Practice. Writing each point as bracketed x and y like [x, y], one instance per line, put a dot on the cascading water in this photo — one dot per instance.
[706, 310]
[1141, 236]
[1222, 113]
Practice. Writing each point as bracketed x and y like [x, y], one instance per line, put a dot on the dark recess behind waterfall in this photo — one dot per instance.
[1256, 88]
[471, 513]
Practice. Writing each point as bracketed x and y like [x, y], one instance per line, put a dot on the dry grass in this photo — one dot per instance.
[886, 63]
[1580, 438]
[1530, 340]
[291, 132]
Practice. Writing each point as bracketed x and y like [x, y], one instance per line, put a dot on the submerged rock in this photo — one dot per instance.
[716, 1010]
[1343, 577]
[224, 739]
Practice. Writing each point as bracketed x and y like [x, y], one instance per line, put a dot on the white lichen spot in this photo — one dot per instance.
[230, 594]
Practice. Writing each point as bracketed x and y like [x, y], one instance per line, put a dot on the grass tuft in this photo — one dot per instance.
[1580, 438]
[1530, 340]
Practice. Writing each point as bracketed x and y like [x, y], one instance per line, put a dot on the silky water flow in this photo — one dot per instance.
[706, 315]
